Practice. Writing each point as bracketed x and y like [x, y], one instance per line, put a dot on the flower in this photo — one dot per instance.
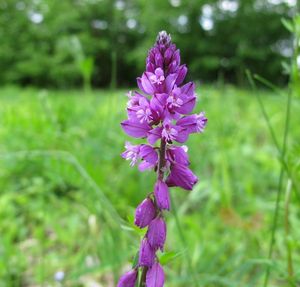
[178, 154]
[160, 111]
[128, 279]
[156, 233]
[193, 123]
[149, 156]
[131, 153]
[144, 213]
[146, 254]
[181, 176]
[135, 128]
[161, 193]
[155, 276]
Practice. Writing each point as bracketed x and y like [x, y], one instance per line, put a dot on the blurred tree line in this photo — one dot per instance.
[68, 43]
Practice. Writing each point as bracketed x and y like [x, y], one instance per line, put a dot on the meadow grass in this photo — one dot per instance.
[67, 198]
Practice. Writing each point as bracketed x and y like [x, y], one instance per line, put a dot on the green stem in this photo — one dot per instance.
[272, 132]
[287, 232]
[143, 277]
[282, 168]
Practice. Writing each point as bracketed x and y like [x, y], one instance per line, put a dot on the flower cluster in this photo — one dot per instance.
[160, 112]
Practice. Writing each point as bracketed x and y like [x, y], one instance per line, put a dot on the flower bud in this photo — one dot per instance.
[128, 279]
[156, 233]
[155, 276]
[181, 176]
[144, 213]
[147, 254]
[163, 38]
[162, 196]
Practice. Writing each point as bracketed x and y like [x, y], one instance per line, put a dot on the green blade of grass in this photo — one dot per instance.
[282, 169]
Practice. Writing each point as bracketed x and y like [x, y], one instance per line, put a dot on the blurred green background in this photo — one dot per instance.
[67, 199]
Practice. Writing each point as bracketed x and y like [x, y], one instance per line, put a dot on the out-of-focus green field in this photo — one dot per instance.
[67, 198]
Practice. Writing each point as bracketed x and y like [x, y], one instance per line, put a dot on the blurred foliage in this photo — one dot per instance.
[54, 218]
[219, 39]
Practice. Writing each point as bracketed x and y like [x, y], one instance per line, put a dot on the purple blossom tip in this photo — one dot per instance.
[144, 213]
[128, 279]
[155, 276]
[160, 111]
[163, 38]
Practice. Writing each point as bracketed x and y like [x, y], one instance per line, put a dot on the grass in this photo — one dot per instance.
[67, 198]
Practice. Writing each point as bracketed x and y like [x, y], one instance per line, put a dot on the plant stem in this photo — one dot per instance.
[287, 231]
[143, 277]
[274, 225]
[282, 155]
[162, 160]
[272, 132]
[280, 183]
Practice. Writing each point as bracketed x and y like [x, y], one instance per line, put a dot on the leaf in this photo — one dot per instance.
[286, 68]
[288, 24]
[135, 260]
[168, 256]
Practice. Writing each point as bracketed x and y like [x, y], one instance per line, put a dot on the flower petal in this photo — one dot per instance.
[156, 233]
[146, 254]
[149, 154]
[135, 128]
[178, 155]
[181, 176]
[162, 196]
[155, 276]
[144, 213]
[181, 73]
[154, 135]
[128, 279]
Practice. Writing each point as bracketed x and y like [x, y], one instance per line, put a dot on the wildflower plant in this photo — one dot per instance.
[161, 112]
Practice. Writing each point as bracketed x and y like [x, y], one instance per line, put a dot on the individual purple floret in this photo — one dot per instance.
[144, 213]
[155, 276]
[128, 279]
[157, 233]
[161, 114]
[146, 254]
[161, 194]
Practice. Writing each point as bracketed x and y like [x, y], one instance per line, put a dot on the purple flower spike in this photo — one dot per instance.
[155, 276]
[161, 193]
[144, 213]
[128, 279]
[157, 233]
[161, 113]
[147, 254]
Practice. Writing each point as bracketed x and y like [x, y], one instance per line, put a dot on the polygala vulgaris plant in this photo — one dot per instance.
[162, 112]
